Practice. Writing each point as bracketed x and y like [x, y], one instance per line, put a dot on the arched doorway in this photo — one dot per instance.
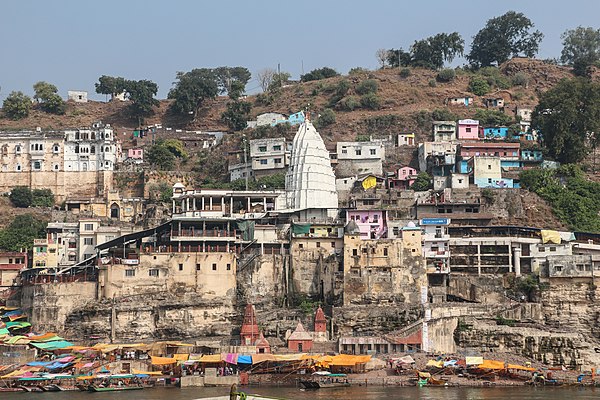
[115, 211]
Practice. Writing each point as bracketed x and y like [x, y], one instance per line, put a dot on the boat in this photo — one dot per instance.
[325, 382]
[95, 388]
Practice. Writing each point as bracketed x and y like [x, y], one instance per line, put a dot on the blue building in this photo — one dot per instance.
[499, 132]
[296, 119]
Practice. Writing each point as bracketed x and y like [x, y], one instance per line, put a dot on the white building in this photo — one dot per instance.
[436, 247]
[90, 149]
[269, 156]
[359, 158]
[78, 96]
[310, 181]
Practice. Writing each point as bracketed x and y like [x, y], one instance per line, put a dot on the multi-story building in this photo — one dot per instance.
[371, 224]
[468, 129]
[11, 262]
[436, 244]
[269, 156]
[359, 158]
[444, 131]
[437, 158]
[508, 153]
[56, 159]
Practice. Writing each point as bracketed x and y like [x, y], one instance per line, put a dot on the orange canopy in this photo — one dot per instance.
[520, 367]
[163, 360]
[346, 360]
[491, 364]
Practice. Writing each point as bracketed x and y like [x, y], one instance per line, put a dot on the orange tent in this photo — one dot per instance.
[492, 364]
[163, 360]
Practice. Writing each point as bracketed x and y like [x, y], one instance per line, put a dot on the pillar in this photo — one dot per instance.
[231, 206]
[194, 204]
[202, 203]
[265, 204]
[210, 203]
[517, 260]
[173, 207]
[479, 259]
[223, 205]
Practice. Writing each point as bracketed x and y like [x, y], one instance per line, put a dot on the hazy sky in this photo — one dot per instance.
[72, 43]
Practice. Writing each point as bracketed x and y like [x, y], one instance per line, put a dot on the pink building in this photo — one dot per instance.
[372, 224]
[136, 154]
[403, 179]
[468, 129]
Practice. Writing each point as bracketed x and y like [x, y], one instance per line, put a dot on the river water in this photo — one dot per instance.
[362, 393]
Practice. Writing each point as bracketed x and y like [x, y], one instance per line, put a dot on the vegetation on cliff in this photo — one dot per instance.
[574, 199]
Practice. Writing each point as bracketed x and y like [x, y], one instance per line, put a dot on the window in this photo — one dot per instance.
[358, 152]
[181, 267]
[333, 245]
[385, 251]
[228, 267]
[262, 148]
[364, 250]
[552, 248]
[344, 151]
[300, 245]
[372, 250]
[312, 230]
[88, 241]
[56, 167]
[129, 273]
[214, 267]
[88, 227]
[489, 166]
[468, 130]
[197, 267]
[277, 147]
[72, 245]
[18, 168]
[460, 181]
[87, 255]
[373, 152]
[72, 257]
[37, 165]
[354, 252]
[277, 161]
[263, 162]
[55, 149]
[558, 268]
[542, 249]
[18, 149]
[93, 149]
[580, 267]
[153, 272]
[318, 244]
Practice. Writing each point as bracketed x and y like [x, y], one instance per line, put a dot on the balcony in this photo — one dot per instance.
[437, 254]
[428, 237]
[199, 234]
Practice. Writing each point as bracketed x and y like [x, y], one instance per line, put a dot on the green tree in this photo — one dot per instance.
[237, 115]
[492, 118]
[443, 114]
[161, 157]
[16, 105]
[433, 51]
[192, 89]
[232, 80]
[279, 79]
[110, 85]
[568, 116]
[446, 75]
[141, 94]
[50, 102]
[478, 86]
[175, 146]
[398, 58]
[42, 198]
[318, 74]
[581, 48]
[423, 182]
[502, 37]
[21, 197]
[21, 232]
[160, 192]
[43, 90]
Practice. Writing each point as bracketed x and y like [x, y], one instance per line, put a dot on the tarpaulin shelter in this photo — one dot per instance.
[519, 367]
[550, 236]
[492, 364]
[244, 359]
[181, 357]
[163, 360]
[435, 363]
[55, 345]
[210, 358]
[258, 358]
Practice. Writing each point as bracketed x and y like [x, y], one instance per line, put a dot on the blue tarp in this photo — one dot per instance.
[39, 363]
[244, 359]
[450, 363]
[57, 365]
[55, 345]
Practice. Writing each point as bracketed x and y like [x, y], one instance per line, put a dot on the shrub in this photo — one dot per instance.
[367, 86]
[357, 71]
[520, 79]
[432, 83]
[405, 73]
[362, 138]
[42, 198]
[371, 101]
[326, 118]
[443, 114]
[478, 86]
[318, 74]
[422, 183]
[342, 88]
[492, 117]
[21, 197]
[349, 103]
[16, 105]
[446, 75]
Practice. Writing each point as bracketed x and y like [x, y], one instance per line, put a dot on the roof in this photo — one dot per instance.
[455, 216]
[132, 236]
[300, 333]
[500, 145]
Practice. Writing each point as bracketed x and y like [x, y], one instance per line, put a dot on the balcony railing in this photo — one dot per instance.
[204, 233]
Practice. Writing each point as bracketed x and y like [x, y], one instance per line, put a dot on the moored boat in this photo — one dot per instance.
[325, 382]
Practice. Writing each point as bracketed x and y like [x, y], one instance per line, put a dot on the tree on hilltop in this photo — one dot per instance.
[502, 37]
[16, 105]
[568, 117]
[232, 80]
[192, 89]
[581, 49]
[433, 51]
